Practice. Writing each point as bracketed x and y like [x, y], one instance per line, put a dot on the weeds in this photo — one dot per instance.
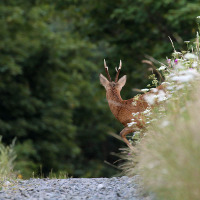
[59, 175]
[7, 157]
[51, 175]
[168, 156]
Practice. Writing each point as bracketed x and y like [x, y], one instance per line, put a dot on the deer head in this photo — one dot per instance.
[108, 83]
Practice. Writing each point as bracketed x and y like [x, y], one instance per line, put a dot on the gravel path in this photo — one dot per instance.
[116, 188]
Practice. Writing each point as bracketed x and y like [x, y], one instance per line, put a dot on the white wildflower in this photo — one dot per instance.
[134, 103]
[171, 87]
[137, 132]
[190, 56]
[161, 95]
[145, 90]
[169, 96]
[135, 114]
[150, 98]
[154, 90]
[179, 66]
[183, 78]
[162, 68]
[198, 17]
[131, 124]
[172, 91]
[192, 72]
[195, 64]
[171, 75]
[147, 112]
[165, 83]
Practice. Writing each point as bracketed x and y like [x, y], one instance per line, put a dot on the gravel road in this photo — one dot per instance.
[117, 188]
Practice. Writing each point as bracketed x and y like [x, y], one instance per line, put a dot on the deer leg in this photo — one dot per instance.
[125, 132]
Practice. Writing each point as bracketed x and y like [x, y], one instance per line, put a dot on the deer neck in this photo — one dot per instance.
[114, 100]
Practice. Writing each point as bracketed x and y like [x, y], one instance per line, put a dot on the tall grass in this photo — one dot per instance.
[7, 157]
[168, 156]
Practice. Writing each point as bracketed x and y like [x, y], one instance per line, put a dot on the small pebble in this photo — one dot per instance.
[6, 183]
[100, 186]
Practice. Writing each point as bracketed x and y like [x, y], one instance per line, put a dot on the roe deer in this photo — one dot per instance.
[123, 110]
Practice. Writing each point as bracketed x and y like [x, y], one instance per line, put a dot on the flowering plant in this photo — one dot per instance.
[167, 157]
[178, 72]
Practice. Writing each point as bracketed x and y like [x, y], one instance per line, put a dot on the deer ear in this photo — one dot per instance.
[122, 81]
[103, 80]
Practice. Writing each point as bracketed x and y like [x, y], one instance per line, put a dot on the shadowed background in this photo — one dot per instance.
[51, 54]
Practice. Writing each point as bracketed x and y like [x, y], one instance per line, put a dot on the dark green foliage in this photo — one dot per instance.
[51, 53]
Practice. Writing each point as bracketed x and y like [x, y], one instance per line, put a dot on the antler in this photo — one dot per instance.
[107, 72]
[118, 70]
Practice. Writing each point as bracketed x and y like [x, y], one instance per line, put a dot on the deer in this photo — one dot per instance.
[124, 110]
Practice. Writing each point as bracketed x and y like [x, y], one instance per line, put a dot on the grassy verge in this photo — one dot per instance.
[168, 156]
